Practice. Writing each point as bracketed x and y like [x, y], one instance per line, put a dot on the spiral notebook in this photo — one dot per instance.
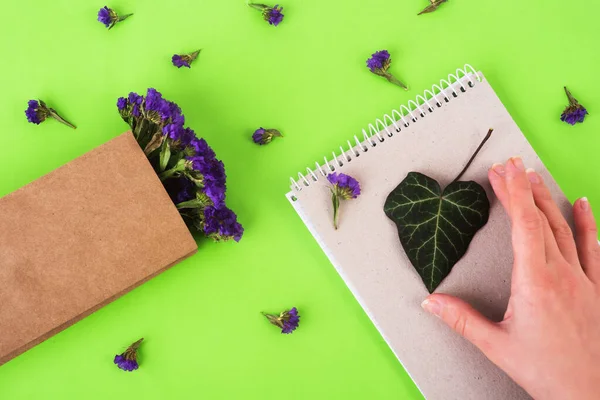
[435, 134]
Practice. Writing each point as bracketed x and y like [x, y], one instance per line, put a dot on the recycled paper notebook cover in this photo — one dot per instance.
[80, 237]
[365, 250]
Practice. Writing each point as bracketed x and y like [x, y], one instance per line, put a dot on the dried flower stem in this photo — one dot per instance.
[60, 119]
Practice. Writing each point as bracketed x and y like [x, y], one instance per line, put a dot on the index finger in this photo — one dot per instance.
[527, 224]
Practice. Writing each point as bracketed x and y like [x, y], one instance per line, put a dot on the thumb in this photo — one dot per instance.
[466, 321]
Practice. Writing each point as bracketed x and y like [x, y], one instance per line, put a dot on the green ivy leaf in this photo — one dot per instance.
[435, 227]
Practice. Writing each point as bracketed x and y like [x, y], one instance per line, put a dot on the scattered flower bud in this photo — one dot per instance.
[288, 320]
[110, 18]
[344, 187]
[574, 112]
[184, 60]
[127, 361]
[265, 136]
[434, 4]
[37, 112]
[379, 63]
[272, 15]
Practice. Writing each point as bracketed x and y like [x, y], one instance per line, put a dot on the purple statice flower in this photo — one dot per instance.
[272, 15]
[343, 187]
[121, 103]
[104, 16]
[127, 361]
[201, 148]
[184, 60]
[264, 136]
[109, 17]
[214, 177]
[379, 63]
[173, 131]
[188, 168]
[287, 320]
[37, 112]
[574, 112]
[379, 60]
[221, 224]
[34, 114]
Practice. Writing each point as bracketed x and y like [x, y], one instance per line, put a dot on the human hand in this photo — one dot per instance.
[549, 340]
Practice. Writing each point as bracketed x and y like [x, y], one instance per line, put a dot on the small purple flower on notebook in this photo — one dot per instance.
[343, 187]
[574, 112]
[287, 320]
[110, 18]
[379, 64]
[184, 60]
[272, 15]
[37, 112]
[264, 136]
[127, 361]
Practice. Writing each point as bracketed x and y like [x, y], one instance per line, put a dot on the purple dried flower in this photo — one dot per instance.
[379, 60]
[287, 320]
[37, 112]
[121, 103]
[192, 175]
[221, 224]
[379, 63]
[184, 60]
[574, 112]
[127, 361]
[34, 114]
[263, 136]
[173, 131]
[344, 187]
[109, 17]
[272, 15]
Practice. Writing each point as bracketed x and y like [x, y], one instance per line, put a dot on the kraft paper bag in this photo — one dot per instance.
[80, 237]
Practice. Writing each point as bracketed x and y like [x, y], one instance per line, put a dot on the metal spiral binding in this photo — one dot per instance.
[404, 114]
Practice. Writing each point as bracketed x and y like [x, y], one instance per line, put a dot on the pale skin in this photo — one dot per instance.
[549, 339]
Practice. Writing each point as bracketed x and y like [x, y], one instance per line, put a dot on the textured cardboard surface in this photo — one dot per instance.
[368, 255]
[80, 237]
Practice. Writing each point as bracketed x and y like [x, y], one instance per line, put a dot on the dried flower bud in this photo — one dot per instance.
[110, 18]
[272, 15]
[434, 4]
[184, 60]
[379, 63]
[344, 187]
[574, 112]
[287, 320]
[127, 361]
[263, 136]
[37, 112]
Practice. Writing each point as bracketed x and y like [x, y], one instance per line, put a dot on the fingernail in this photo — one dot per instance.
[432, 306]
[517, 162]
[585, 204]
[532, 176]
[499, 169]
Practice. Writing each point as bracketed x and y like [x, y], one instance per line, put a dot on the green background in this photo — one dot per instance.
[204, 335]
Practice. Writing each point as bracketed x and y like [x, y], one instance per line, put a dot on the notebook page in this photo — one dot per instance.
[368, 255]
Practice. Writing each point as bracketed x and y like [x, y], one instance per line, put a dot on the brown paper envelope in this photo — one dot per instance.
[80, 237]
